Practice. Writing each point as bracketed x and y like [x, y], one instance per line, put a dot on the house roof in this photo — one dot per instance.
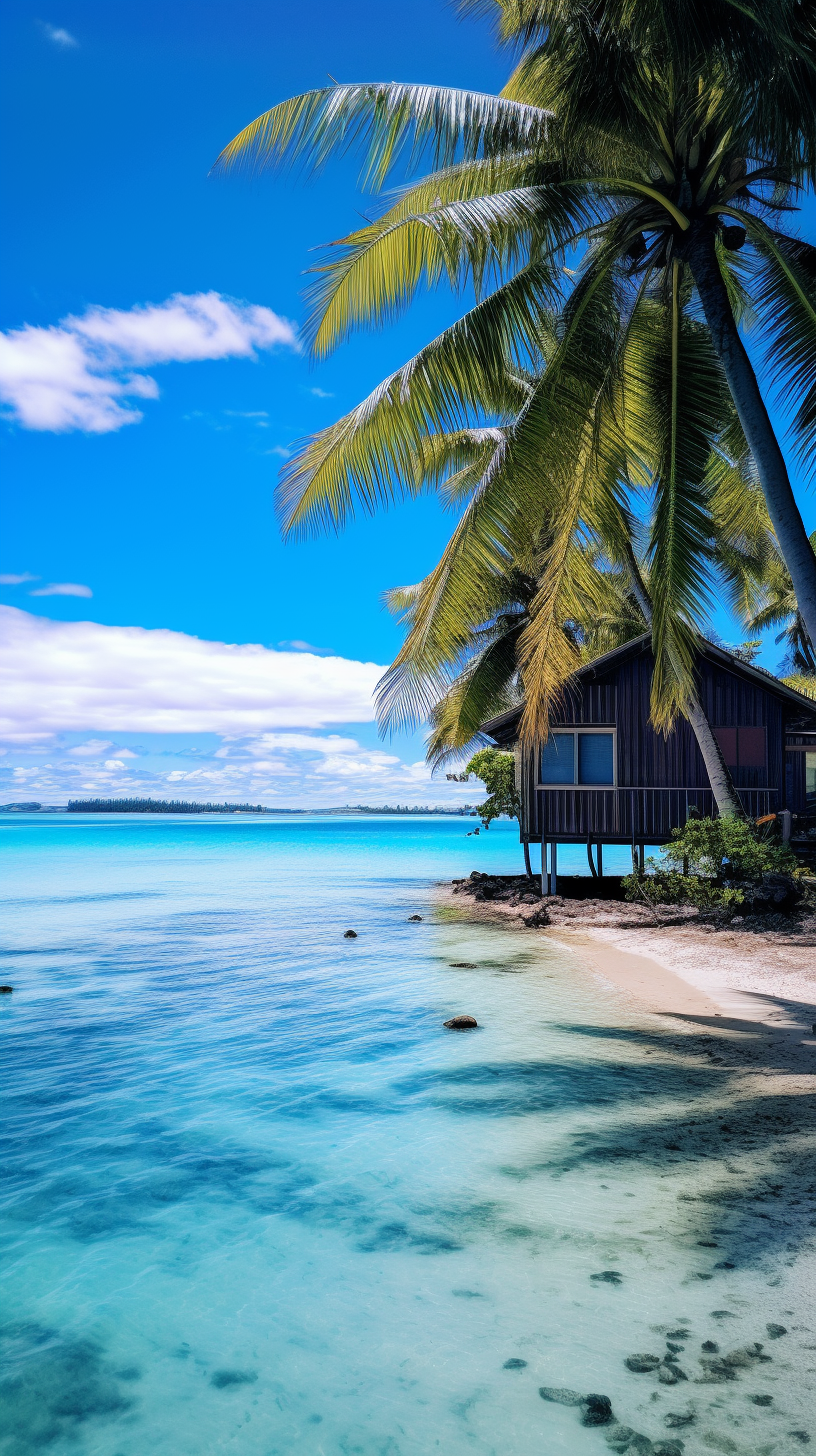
[503, 724]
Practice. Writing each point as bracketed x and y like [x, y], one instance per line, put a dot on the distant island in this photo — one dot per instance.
[182, 806]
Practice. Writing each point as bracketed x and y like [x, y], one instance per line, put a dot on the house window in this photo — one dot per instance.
[742, 747]
[584, 756]
[810, 780]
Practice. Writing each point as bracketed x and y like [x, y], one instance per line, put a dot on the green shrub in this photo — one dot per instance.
[497, 772]
[705, 862]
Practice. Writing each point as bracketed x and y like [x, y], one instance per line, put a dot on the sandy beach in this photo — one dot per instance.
[674, 962]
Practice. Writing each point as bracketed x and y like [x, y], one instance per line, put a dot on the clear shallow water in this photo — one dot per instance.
[259, 1200]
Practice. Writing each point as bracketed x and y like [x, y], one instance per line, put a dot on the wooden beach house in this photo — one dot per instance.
[605, 776]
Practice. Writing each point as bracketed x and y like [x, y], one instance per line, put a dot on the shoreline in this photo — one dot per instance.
[731, 980]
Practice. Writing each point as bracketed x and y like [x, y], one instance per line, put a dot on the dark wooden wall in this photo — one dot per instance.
[659, 778]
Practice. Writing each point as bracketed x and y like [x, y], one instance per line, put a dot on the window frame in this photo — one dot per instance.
[575, 728]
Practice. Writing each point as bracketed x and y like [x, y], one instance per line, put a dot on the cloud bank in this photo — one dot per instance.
[78, 374]
[58, 677]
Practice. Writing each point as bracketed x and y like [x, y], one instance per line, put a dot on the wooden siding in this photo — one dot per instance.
[660, 778]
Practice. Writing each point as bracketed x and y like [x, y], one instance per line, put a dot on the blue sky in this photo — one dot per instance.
[115, 115]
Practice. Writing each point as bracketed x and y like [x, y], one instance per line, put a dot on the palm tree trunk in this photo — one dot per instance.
[719, 776]
[700, 254]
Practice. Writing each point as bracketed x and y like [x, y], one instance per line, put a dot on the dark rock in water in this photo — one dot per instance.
[762, 1399]
[620, 1437]
[723, 1314]
[559, 1395]
[673, 1419]
[668, 1376]
[642, 1364]
[677, 1334]
[711, 1347]
[775, 1332]
[725, 1264]
[675, 1349]
[6, 990]
[744, 1357]
[802, 1436]
[668, 1448]
[349, 934]
[609, 1276]
[413, 917]
[461, 1023]
[597, 1410]
[462, 965]
[707, 1244]
[514, 1363]
[224, 1379]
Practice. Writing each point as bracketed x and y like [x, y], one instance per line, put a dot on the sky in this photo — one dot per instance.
[157, 636]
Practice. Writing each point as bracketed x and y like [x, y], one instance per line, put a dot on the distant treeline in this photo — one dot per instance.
[157, 806]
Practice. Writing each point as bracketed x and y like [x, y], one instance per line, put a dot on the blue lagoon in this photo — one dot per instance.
[259, 1200]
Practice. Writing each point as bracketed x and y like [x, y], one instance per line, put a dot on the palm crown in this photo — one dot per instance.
[655, 147]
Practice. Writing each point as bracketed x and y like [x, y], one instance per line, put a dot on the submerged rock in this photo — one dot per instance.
[514, 1363]
[607, 1276]
[711, 1347]
[642, 1364]
[6, 990]
[559, 1395]
[775, 1332]
[462, 965]
[762, 1399]
[349, 934]
[413, 917]
[597, 1410]
[673, 1419]
[224, 1379]
[461, 1023]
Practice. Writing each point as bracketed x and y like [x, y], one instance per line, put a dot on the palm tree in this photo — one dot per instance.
[665, 141]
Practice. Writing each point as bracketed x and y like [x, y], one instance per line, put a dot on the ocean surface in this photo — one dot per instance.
[258, 1200]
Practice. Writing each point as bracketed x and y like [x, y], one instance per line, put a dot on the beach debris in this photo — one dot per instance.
[514, 1363]
[607, 1276]
[6, 990]
[413, 917]
[349, 934]
[775, 1332]
[642, 1364]
[461, 1023]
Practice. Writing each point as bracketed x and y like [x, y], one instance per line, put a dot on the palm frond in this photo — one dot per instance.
[387, 117]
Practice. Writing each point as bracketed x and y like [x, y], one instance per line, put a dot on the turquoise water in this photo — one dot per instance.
[259, 1200]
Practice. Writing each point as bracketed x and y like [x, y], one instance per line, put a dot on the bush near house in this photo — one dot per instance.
[725, 864]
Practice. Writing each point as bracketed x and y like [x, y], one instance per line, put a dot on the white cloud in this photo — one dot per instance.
[9, 579]
[73, 676]
[280, 450]
[59, 36]
[321, 393]
[94, 748]
[76, 375]
[62, 589]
